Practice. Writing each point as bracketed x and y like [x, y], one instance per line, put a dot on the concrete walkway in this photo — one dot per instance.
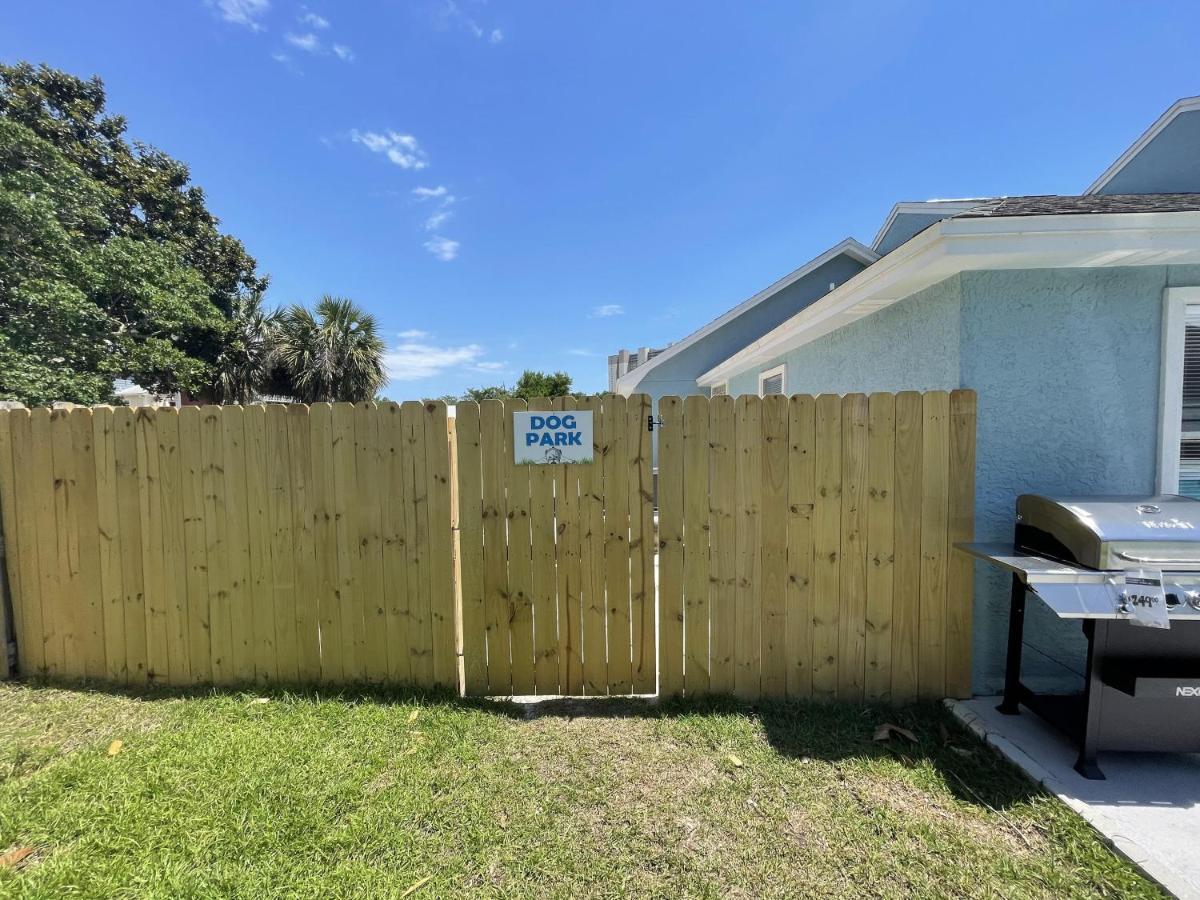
[1148, 806]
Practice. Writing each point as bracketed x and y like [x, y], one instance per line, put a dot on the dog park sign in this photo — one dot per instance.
[541, 438]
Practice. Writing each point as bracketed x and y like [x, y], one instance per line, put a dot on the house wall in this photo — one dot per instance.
[1066, 366]
[678, 374]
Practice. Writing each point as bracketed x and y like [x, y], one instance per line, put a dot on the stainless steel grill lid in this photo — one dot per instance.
[1112, 532]
[1073, 552]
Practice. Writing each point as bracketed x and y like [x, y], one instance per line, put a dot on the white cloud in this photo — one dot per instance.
[414, 360]
[427, 193]
[496, 36]
[313, 20]
[438, 219]
[343, 52]
[310, 43]
[443, 248]
[490, 366]
[402, 149]
[579, 351]
[413, 334]
[607, 310]
[243, 12]
[281, 57]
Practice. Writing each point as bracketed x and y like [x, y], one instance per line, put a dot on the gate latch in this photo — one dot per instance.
[651, 422]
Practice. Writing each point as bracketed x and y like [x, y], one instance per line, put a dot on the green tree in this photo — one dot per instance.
[110, 263]
[542, 384]
[332, 353]
[245, 367]
[495, 392]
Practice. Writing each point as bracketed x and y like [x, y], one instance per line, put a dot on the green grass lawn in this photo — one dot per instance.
[391, 795]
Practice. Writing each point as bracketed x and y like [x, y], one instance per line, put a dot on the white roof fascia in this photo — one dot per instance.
[923, 207]
[628, 382]
[965, 244]
[1187, 104]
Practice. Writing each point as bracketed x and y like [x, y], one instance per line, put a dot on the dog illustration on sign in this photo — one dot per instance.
[553, 455]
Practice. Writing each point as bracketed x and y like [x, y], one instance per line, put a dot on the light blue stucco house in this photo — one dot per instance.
[1075, 318]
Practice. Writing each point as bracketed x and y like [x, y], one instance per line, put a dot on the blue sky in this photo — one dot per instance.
[536, 184]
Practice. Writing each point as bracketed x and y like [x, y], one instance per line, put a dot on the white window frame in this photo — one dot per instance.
[1176, 300]
[781, 371]
[722, 386]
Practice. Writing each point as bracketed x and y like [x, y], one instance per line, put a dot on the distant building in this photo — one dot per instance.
[135, 395]
[623, 361]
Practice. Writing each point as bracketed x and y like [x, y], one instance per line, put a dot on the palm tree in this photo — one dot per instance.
[245, 364]
[332, 353]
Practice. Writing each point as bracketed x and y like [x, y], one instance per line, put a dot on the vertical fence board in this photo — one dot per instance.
[935, 457]
[722, 501]
[801, 503]
[368, 513]
[748, 639]
[130, 523]
[544, 576]
[827, 530]
[774, 535]
[349, 593]
[283, 562]
[960, 527]
[262, 574]
[66, 546]
[195, 549]
[237, 525]
[470, 528]
[9, 548]
[696, 564]
[395, 543]
[881, 468]
[570, 594]
[441, 591]
[305, 600]
[906, 574]
[495, 546]
[616, 547]
[325, 515]
[591, 557]
[853, 609]
[23, 508]
[89, 597]
[641, 543]
[217, 544]
[158, 660]
[108, 524]
[179, 670]
[520, 559]
[420, 635]
[46, 529]
[671, 548]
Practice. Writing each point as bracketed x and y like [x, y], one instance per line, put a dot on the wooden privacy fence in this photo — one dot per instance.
[803, 546]
[557, 561]
[231, 544]
[806, 545]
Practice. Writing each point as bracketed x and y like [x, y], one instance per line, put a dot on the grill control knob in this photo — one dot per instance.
[1193, 599]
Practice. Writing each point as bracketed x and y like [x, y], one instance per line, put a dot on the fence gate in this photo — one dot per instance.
[557, 561]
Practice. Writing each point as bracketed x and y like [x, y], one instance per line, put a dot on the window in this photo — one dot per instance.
[771, 382]
[719, 390]
[1179, 395]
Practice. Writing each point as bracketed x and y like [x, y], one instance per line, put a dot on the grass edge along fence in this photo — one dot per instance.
[802, 546]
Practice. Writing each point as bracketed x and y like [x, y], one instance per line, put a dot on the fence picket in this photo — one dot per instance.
[179, 670]
[935, 456]
[441, 562]
[852, 638]
[544, 576]
[237, 526]
[262, 575]
[368, 512]
[195, 550]
[671, 549]
[495, 543]
[722, 514]
[774, 535]
[801, 506]
[906, 568]
[696, 563]
[471, 560]
[880, 513]
[827, 531]
[641, 543]
[591, 557]
[747, 641]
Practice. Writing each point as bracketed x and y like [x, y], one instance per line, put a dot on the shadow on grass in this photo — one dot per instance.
[799, 730]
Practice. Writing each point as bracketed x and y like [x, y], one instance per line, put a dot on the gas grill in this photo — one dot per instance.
[1129, 569]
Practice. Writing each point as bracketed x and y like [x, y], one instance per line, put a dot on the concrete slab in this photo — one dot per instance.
[1148, 806]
